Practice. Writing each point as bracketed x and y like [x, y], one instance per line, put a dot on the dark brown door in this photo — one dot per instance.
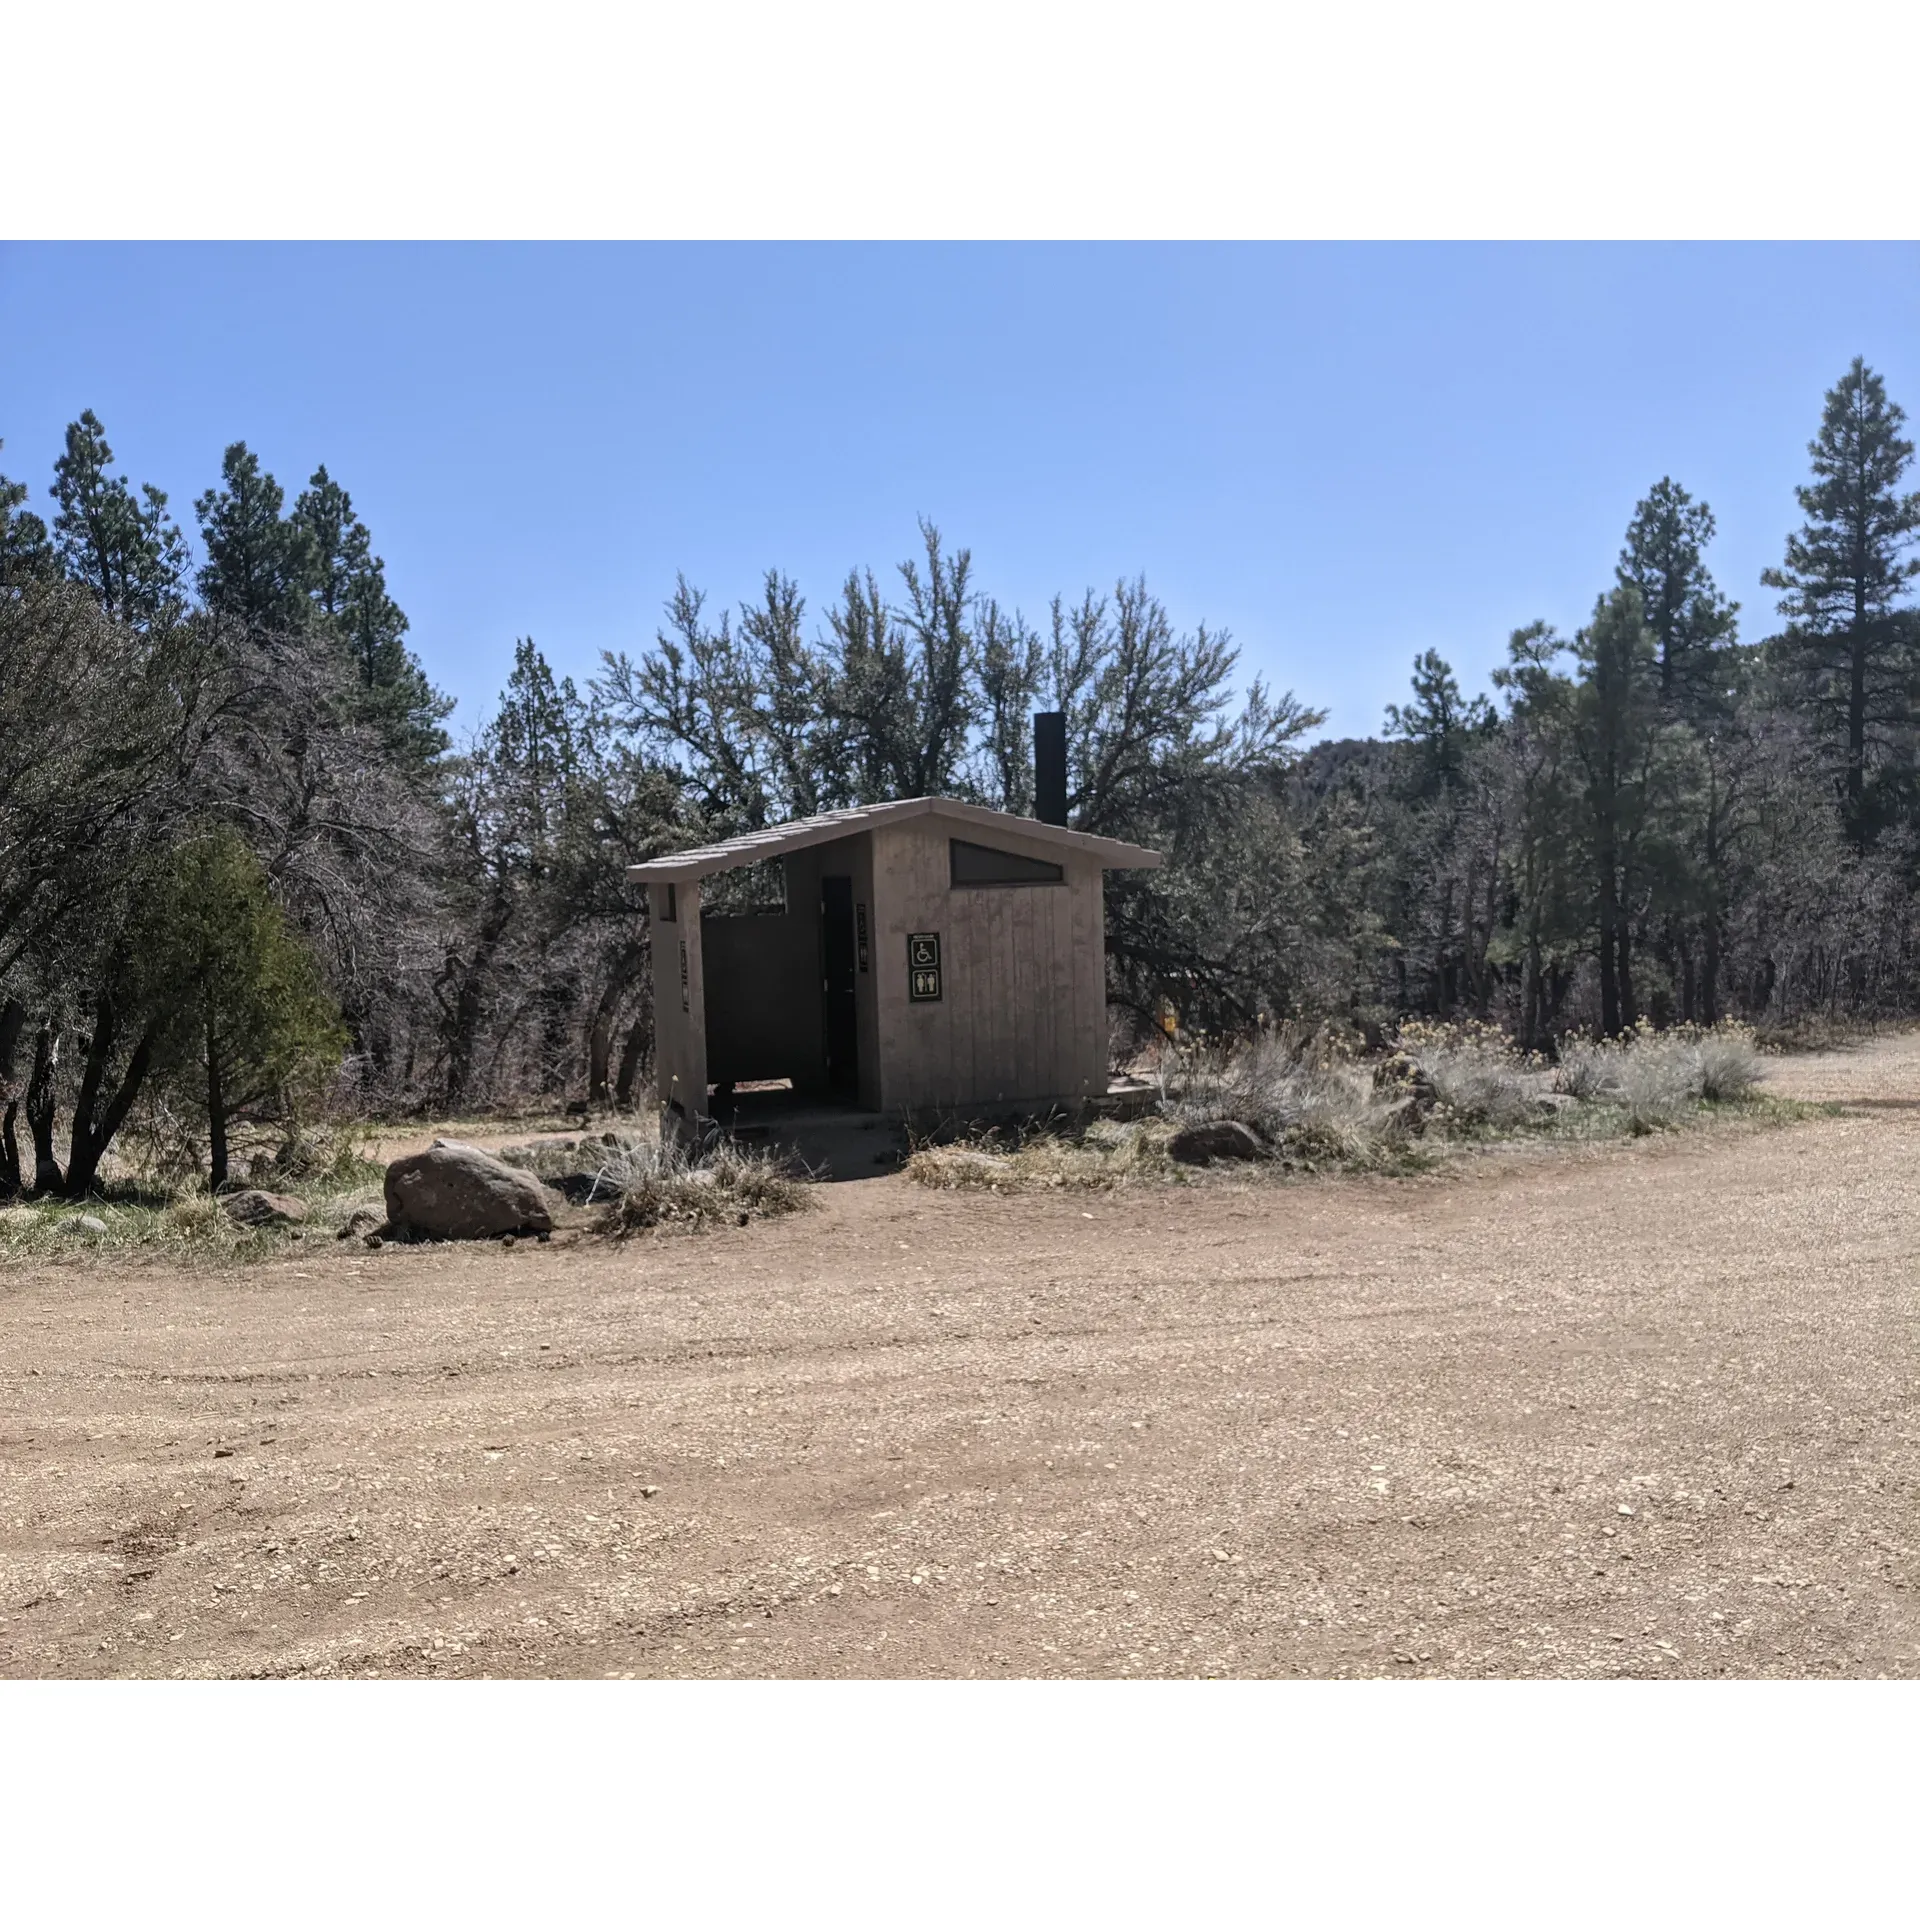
[837, 978]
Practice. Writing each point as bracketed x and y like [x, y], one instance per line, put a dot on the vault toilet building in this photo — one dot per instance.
[932, 957]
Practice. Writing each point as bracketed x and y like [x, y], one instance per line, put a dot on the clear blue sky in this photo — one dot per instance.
[1344, 454]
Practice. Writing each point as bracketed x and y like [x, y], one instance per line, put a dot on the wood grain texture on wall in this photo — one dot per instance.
[679, 1021]
[1022, 1015]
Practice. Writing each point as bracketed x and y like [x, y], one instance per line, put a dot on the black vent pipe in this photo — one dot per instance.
[1050, 768]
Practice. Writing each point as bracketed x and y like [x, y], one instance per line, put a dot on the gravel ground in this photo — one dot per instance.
[1643, 1409]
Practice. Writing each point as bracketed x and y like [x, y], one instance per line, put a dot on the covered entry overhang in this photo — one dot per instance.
[924, 955]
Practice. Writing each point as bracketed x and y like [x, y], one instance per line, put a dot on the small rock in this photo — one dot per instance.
[89, 1224]
[647, 1493]
[253, 1208]
[1210, 1140]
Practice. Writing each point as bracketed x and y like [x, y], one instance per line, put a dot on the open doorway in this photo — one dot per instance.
[839, 1016]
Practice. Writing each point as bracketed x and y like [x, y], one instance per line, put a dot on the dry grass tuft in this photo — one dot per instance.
[1108, 1153]
[1298, 1091]
[653, 1185]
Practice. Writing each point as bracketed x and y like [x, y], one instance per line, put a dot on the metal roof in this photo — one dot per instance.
[746, 848]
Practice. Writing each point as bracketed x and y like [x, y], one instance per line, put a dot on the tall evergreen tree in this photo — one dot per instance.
[1539, 767]
[260, 566]
[339, 547]
[26, 553]
[1615, 719]
[347, 585]
[1694, 628]
[1851, 643]
[125, 550]
[1440, 721]
[1691, 620]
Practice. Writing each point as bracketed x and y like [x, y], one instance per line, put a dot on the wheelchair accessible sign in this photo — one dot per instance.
[923, 966]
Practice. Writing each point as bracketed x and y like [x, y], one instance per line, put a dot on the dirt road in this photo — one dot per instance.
[1644, 1409]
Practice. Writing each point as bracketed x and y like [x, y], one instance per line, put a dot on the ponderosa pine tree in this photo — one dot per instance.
[1538, 768]
[1851, 644]
[1694, 629]
[1692, 622]
[1440, 721]
[1441, 908]
[259, 565]
[1615, 715]
[26, 553]
[347, 585]
[125, 551]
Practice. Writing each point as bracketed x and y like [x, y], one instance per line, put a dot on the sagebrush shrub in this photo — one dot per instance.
[1729, 1062]
[1474, 1071]
[1283, 1084]
[1654, 1075]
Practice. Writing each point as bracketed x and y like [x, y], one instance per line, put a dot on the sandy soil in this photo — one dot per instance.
[1643, 1409]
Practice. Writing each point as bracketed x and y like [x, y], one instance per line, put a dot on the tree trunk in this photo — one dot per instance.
[94, 1124]
[1609, 953]
[1857, 725]
[470, 1001]
[216, 1113]
[1710, 969]
[1532, 994]
[82, 1158]
[632, 1052]
[47, 1177]
[600, 1055]
[1628, 1011]
[626, 963]
[13, 1016]
[1559, 984]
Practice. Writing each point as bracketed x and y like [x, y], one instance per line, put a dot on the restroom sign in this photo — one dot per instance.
[923, 966]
